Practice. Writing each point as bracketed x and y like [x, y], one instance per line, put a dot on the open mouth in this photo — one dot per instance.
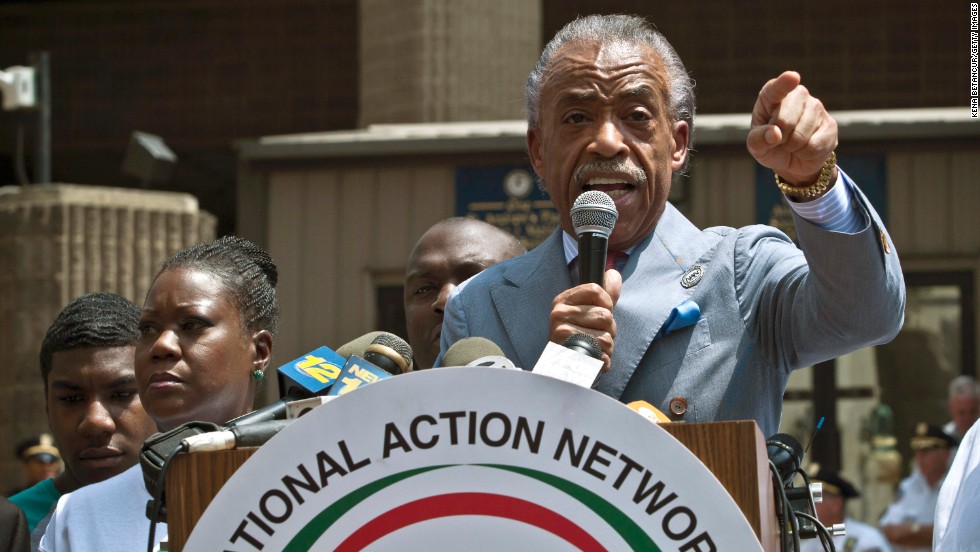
[614, 187]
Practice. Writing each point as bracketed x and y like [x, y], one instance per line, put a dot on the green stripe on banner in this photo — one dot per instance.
[308, 535]
[633, 534]
[629, 530]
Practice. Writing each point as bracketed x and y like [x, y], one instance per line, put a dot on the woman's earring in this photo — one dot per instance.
[257, 374]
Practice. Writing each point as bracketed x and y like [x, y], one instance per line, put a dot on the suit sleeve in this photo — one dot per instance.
[13, 528]
[838, 293]
[454, 326]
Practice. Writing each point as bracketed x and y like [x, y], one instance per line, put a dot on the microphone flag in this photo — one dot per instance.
[357, 372]
[568, 365]
[313, 372]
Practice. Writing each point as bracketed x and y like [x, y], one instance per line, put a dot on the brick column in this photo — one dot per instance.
[446, 60]
[58, 242]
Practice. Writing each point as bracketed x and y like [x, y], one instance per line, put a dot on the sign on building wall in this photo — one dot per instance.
[508, 198]
[867, 171]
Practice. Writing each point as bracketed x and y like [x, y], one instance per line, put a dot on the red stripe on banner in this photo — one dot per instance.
[470, 504]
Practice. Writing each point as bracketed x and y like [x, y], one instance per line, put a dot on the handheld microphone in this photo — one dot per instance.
[571, 364]
[593, 215]
[475, 351]
[585, 344]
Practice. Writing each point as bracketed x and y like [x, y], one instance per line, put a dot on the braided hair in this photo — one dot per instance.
[92, 320]
[245, 269]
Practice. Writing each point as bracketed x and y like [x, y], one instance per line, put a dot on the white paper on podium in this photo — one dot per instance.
[567, 365]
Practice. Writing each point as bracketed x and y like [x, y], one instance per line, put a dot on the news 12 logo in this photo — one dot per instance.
[318, 369]
[357, 372]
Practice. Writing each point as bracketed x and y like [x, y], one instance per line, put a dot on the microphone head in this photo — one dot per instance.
[786, 453]
[585, 344]
[468, 349]
[357, 346]
[394, 348]
[493, 361]
[594, 211]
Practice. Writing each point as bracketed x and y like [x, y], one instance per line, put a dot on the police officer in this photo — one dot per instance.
[908, 520]
[858, 537]
[39, 460]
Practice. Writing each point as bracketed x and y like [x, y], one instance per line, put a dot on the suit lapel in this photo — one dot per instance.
[651, 290]
[523, 301]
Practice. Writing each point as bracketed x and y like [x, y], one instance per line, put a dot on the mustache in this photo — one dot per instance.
[619, 165]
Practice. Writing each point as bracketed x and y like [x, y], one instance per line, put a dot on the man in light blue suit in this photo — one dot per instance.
[707, 324]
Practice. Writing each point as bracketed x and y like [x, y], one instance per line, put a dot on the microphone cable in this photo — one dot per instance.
[826, 539]
[157, 503]
[785, 513]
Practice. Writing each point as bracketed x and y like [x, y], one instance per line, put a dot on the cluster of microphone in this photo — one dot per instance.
[795, 505]
[322, 372]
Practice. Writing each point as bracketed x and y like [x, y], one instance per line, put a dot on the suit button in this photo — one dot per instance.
[678, 406]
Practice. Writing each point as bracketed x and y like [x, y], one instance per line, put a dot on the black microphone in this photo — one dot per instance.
[585, 344]
[798, 516]
[786, 453]
[577, 360]
[593, 218]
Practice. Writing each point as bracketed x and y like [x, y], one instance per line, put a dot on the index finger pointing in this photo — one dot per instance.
[772, 94]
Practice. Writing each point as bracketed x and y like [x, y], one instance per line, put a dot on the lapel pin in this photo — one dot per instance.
[692, 276]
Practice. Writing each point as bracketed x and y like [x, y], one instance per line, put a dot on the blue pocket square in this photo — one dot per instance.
[686, 314]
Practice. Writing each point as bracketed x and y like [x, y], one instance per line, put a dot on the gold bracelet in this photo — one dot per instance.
[813, 190]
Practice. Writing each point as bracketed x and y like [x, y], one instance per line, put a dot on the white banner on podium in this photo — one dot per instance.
[472, 459]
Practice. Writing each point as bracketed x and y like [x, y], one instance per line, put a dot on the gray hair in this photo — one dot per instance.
[617, 28]
[964, 386]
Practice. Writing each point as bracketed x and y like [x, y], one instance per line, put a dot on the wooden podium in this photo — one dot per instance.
[735, 452]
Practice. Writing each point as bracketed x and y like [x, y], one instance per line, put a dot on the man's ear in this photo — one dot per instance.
[681, 137]
[534, 146]
[262, 344]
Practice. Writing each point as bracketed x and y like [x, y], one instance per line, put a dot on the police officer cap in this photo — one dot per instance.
[928, 436]
[832, 482]
[39, 448]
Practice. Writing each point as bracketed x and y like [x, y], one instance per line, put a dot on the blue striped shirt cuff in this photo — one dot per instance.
[835, 210]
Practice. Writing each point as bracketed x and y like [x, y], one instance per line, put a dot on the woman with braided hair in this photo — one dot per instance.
[206, 328]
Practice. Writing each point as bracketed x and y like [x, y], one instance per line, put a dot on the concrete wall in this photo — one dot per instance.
[58, 242]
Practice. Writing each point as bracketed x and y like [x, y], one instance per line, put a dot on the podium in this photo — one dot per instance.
[734, 452]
